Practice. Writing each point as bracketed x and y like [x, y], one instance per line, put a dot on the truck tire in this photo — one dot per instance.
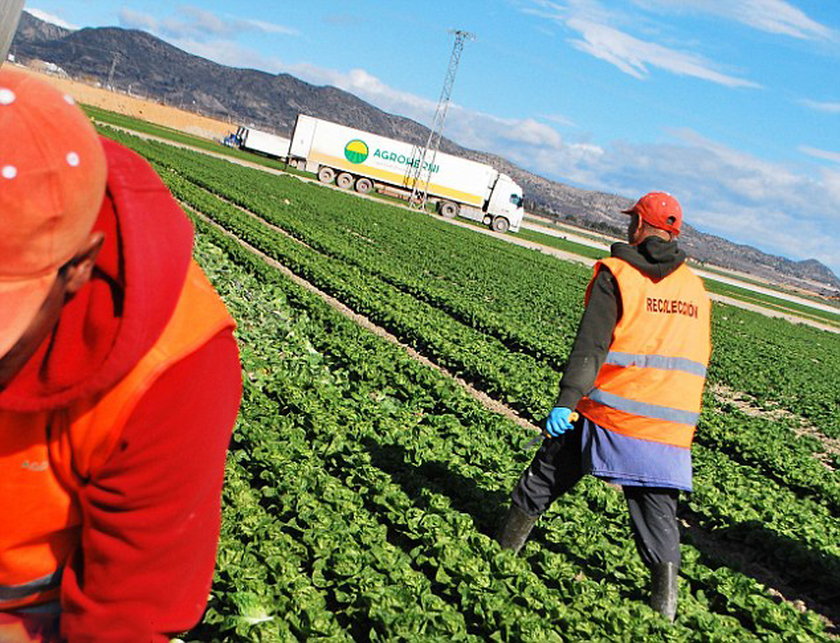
[344, 181]
[326, 175]
[448, 210]
[487, 220]
[363, 185]
[500, 224]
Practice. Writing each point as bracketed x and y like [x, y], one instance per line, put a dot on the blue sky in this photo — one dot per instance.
[732, 106]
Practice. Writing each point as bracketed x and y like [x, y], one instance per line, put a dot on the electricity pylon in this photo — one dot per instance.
[428, 154]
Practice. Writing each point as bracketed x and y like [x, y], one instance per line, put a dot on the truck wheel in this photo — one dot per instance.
[500, 224]
[448, 210]
[487, 220]
[364, 185]
[344, 181]
[326, 175]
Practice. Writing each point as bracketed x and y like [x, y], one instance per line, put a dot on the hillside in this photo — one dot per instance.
[139, 63]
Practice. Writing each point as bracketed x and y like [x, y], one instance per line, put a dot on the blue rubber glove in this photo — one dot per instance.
[559, 421]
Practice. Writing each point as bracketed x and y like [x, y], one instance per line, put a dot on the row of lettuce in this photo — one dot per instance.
[377, 443]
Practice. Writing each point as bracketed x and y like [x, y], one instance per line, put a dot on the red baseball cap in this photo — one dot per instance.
[52, 181]
[660, 210]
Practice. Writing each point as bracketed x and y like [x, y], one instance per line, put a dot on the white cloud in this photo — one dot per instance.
[630, 54]
[270, 27]
[198, 25]
[228, 52]
[831, 108]
[50, 17]
[531, 132]
[820, 154]
[559, 119]
[779, 208]
[831, 180]
[771, 16]
[633, 56]
[131, 19]
[369, 87]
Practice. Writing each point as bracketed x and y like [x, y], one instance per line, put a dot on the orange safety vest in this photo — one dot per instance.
[650, 386]
[45, 457]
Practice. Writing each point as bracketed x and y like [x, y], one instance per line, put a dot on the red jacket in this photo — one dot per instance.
[145, 518]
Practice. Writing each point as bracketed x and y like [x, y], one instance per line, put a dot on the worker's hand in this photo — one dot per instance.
[559, 421]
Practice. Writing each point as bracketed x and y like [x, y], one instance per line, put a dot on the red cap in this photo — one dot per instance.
[660, 210]
[52, 181]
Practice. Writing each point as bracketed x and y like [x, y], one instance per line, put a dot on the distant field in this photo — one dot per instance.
[198, 142]
[594, 254]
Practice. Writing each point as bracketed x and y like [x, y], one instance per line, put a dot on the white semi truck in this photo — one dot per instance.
[356, 159]
[253, 140]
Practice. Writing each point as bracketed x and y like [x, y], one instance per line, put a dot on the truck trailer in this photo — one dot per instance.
[252, 140]
[352, 158]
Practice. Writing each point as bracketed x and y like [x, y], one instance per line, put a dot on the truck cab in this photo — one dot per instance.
[505, 205]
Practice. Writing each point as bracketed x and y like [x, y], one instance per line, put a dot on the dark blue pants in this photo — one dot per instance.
[556, 468]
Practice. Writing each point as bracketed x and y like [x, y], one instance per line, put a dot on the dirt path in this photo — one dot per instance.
[137, 106]
[749, 406]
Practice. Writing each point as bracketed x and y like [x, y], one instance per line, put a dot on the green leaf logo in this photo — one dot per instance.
[356, 151]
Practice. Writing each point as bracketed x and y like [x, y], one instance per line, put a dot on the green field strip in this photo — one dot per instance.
[771, 447]
[516, 378]
[105, 117]
[419, 269]
[259, 592]
[772, 303]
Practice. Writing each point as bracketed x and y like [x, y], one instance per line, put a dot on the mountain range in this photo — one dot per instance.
[142, 64]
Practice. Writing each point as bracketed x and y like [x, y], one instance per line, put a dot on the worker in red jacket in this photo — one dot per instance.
[634, 380]
[119, 385]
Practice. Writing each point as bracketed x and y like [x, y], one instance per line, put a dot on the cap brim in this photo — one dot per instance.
[20, 301]
[629, 210]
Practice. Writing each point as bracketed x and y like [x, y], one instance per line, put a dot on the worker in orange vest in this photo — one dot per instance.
[119, 386]
[630, 395]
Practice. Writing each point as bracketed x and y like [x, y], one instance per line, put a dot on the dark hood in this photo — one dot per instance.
[655, 257]
[116, 318]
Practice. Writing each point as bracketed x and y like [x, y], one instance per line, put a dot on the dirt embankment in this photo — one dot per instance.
[137, 107]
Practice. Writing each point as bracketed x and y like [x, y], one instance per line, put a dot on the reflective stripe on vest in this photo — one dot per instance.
[10, 593]
[650, 386]
[45, 457]
[657, 361]
[652, 411]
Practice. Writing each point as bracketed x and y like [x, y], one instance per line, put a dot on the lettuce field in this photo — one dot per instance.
[363, 487]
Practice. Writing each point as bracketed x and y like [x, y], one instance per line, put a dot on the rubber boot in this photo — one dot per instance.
[663, 589]
[515, 528]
